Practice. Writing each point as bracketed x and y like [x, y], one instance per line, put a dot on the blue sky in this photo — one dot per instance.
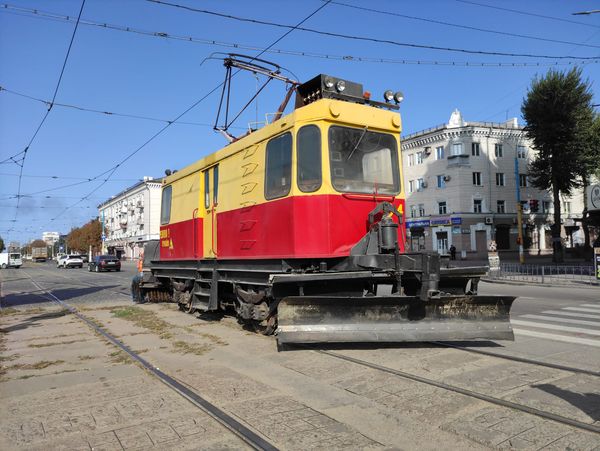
[157, 77]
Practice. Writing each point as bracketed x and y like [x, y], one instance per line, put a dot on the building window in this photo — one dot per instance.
[421, 184]
[413, 211]
[477, 178]
[521, 152]
[523, 180]
[278, 178]
[309, 158]
[439, 153]
[546, 206]
[421, 209]
[457, 149]
[499, 179]
[476, 205]
[441, 182]
[442, 208]
[419, 157]
[566, 207]
[498, 150]
[501, 206]
[411, 159]
[475, 149]
[411, 186]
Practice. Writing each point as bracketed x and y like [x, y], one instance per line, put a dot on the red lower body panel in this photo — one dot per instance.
[182, 240]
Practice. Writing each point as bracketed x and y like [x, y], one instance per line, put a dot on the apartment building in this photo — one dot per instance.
[131, 218]
[462, 181]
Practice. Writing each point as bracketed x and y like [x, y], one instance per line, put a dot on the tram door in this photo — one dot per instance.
[211, 196]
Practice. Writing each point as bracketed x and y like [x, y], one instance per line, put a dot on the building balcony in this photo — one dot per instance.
[458, 160]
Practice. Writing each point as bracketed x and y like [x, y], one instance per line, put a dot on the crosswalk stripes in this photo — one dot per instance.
[579, 324]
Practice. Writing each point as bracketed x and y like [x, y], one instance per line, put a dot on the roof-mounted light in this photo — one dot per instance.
[398, 97]
[328, 82]
[388, 95]
[340, 85]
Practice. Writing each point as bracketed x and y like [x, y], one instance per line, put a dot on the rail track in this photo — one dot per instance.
[245, 434]
[466, 392]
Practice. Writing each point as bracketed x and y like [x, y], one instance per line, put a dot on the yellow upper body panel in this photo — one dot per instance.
[242, 163]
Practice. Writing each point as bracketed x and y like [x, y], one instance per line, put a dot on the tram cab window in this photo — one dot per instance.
[363, 161]
[165, 207]
[278, 178]
[308, 146]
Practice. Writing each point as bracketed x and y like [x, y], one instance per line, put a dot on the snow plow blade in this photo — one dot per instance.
[306, 319]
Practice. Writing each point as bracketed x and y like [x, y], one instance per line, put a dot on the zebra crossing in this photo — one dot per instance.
[580, 324]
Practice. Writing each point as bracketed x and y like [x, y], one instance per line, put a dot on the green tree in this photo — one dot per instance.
[2, 247]
[590, 169]
[558, 111]
[81, 238]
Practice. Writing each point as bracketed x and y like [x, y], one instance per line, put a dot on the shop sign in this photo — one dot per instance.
[446, 221]
[597, 262]
[456, 230]
[419, 223]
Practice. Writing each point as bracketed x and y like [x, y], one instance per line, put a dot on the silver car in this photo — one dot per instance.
[69, 261]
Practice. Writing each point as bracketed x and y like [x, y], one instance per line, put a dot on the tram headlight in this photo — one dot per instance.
[328, 83]
[340, 85]
[388, 95]
[398, 97]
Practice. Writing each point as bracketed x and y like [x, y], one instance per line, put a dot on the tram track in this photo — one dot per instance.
[464, 391]
[248, 436]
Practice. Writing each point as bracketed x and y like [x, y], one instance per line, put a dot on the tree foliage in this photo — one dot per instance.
[559, 117]
[81, 238]
[38, 243]
[2, 247]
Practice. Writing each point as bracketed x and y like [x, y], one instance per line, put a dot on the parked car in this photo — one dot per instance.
[10, 260]
[69, 261]
[104, 263]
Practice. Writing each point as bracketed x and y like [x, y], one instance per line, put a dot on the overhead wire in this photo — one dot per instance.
[62, 71]
[162, 130]
[465, 27]
[36, 13]
[365, 38]
[62, 177]
[91, 110]
[525, 13]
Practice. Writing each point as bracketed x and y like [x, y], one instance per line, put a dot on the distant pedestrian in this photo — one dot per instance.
[453, 252]
[136, 292]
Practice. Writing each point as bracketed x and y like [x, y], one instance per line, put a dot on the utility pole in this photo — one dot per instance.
[519, 209]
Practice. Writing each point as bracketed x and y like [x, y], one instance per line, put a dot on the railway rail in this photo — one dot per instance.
[466, 392]
[245, 434]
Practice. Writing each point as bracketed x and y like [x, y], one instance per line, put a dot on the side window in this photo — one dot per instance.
[215, 185]
[278, 179]
[206, 189]
[308, 146]
[165, 207]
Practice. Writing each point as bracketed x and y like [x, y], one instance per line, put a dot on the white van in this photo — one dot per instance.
[10, 260]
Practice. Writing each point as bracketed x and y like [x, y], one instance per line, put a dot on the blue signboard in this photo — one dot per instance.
[419, 223]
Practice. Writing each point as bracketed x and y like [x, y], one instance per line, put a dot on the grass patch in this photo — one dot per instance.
[86, 357]
[119, 357]
[9, 358]
[213, 338]
[35, 366]
[183, 347]
[54, 343]
[9, 311]
[141, 351]
[144, 318]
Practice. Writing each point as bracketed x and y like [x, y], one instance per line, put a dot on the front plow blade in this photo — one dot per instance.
[313, 319]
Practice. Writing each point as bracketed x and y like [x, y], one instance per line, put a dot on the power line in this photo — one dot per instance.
[162, 130]
[35, 13]
[466, 27]
[64, 177]
[525, 13]
[64, 65]
[91, 110]
[364, 38]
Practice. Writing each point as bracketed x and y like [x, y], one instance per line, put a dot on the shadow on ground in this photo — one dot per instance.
[33, 321]
[588, 403]
[40, 296]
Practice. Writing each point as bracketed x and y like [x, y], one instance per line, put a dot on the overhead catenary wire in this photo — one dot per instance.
[368, 39]
[525, 13]
[62, 71]
[191, 107]
[465, 27]
[38, 14]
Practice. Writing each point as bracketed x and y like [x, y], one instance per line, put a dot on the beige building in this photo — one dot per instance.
[131, 218]
[461, 182]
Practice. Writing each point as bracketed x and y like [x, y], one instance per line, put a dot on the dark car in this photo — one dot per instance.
[104, 263]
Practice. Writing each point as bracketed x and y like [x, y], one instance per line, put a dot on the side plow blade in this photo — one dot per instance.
[306, 319]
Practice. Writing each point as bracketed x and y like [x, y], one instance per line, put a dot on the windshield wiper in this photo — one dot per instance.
[358, 142]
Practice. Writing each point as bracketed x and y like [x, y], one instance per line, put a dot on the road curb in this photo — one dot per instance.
[537, 284]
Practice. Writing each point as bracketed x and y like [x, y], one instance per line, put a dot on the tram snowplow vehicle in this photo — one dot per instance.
[299, 228]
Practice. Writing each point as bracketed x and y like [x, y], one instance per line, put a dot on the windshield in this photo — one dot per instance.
[363, 161]
[15, 256]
